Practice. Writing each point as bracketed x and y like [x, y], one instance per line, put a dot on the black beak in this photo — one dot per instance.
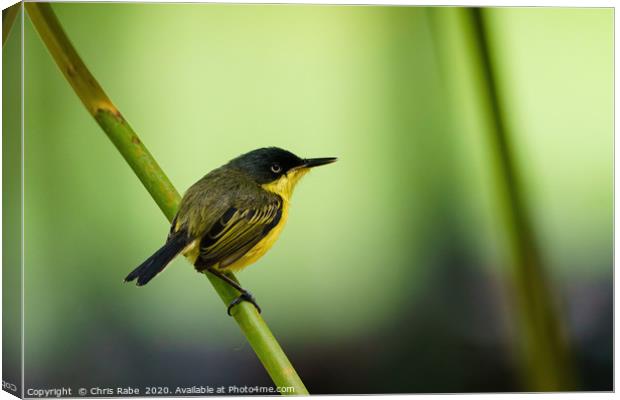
[315, 162]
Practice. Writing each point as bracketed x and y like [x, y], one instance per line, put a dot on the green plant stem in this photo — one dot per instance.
[542, 347]
[153, 178]
[548, 347]
[8, 19]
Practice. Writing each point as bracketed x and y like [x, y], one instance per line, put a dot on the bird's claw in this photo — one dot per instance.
[244, 296]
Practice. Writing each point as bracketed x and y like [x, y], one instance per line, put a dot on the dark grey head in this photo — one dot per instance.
[270, 163]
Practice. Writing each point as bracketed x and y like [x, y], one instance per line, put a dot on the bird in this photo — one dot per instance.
[232, 216]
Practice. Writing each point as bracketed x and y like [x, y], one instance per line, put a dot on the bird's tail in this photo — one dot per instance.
[159, 260]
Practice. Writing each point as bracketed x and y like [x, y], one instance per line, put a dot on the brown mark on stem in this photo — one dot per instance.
[70, 69]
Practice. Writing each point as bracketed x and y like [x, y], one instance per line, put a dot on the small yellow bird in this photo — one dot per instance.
[232, 216]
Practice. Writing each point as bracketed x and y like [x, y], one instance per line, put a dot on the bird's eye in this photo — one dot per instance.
[276, 168]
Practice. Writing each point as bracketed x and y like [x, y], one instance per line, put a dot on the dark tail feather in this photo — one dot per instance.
[158, 261]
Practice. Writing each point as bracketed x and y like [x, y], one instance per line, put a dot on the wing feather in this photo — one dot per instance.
[237, 231]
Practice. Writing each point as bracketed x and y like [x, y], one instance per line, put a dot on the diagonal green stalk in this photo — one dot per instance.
[8, 19]
[155, 181]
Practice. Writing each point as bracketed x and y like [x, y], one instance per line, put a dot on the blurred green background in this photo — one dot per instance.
[391, 275]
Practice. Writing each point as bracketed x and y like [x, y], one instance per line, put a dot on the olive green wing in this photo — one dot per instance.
[238, 230]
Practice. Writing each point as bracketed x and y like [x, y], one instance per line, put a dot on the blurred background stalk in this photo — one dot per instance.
[156, 182]
[542, 345]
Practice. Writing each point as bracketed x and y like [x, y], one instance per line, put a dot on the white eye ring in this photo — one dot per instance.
[276, 168]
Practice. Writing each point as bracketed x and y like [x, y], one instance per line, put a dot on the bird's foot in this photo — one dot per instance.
[244, 296]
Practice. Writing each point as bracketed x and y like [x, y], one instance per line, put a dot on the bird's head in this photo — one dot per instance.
[275, 169]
